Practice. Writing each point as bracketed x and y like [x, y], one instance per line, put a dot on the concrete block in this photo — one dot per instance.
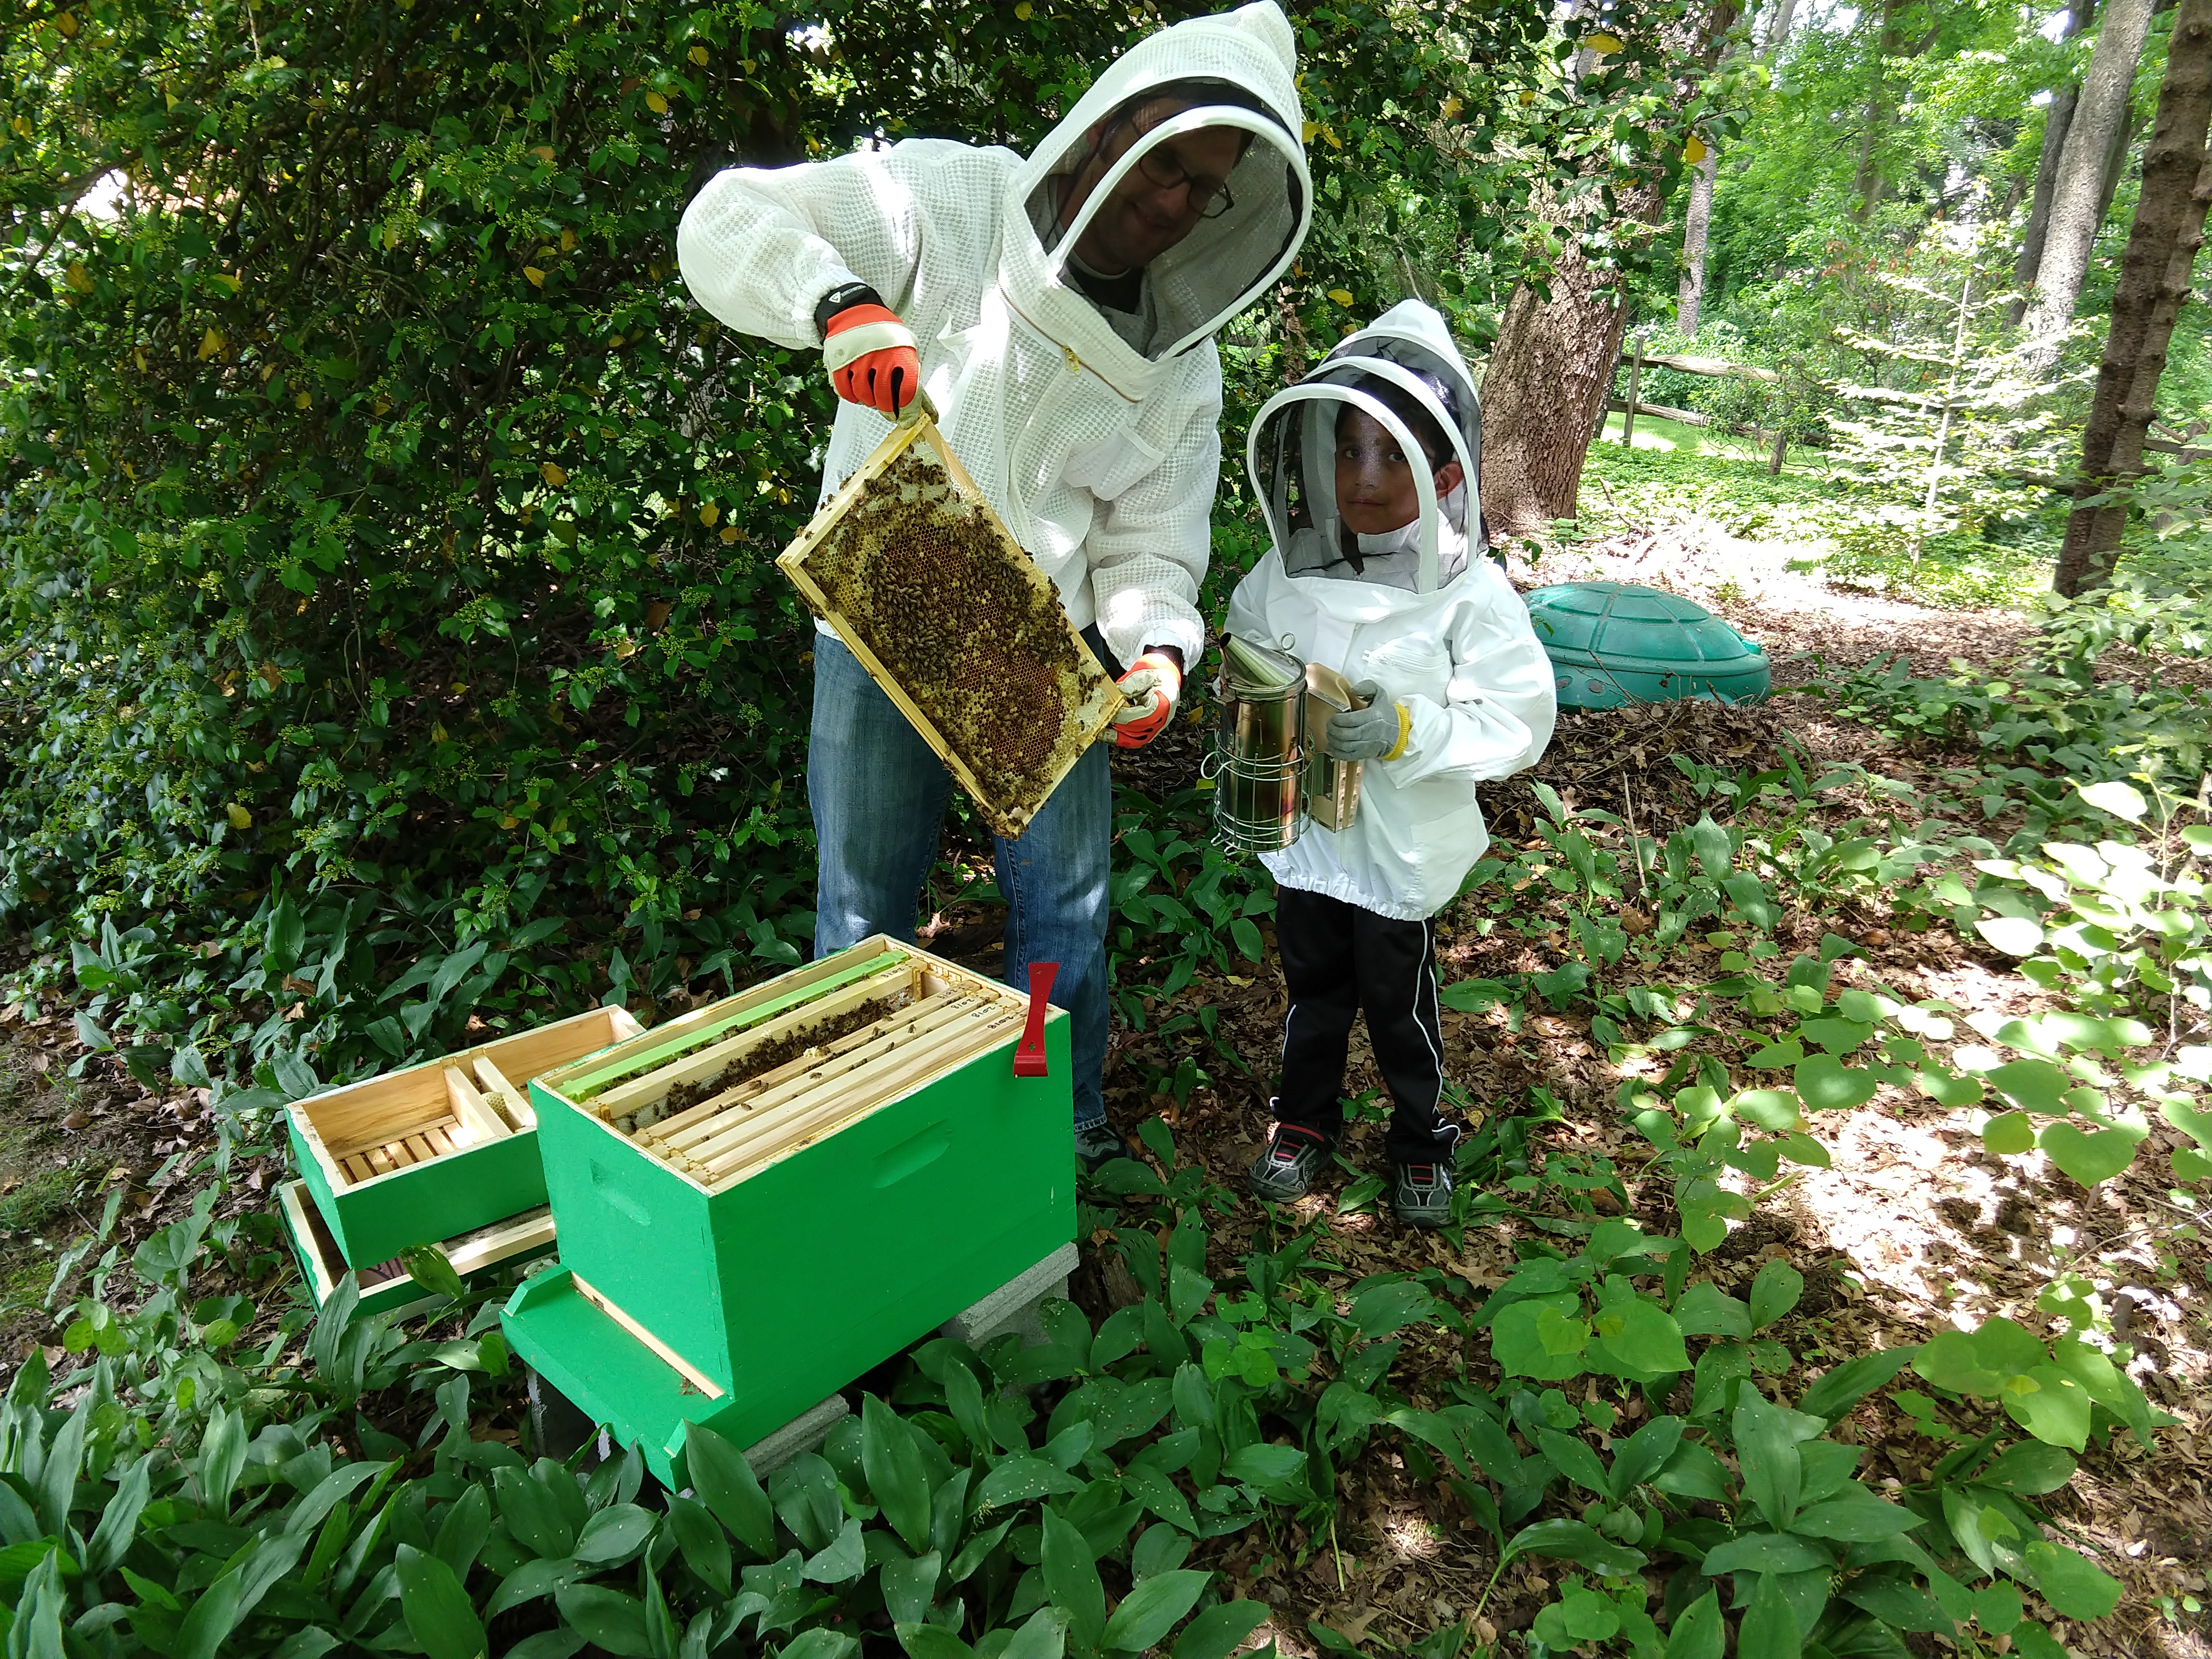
[803, 1433]
[1015, 1306]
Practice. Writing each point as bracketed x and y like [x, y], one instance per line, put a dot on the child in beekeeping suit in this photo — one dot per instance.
[1368, 471]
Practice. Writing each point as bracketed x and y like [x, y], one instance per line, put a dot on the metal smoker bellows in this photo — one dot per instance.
[1272, 776]
[911, 567]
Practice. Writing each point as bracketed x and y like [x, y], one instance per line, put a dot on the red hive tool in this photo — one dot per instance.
[1029, 1052]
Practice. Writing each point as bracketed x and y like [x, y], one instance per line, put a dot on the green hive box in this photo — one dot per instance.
[418, 1156]
[387, 1287]
[1612, 643]
[847, 1162]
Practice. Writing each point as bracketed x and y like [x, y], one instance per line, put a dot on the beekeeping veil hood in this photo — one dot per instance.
[1250, 56]
[1291, 455]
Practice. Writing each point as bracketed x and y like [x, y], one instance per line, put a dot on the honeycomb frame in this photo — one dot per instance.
[990, 730]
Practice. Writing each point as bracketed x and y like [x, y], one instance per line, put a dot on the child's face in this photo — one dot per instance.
[1375, 491]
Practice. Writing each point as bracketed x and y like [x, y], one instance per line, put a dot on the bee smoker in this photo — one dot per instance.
[1271, 775]
[1331, 786]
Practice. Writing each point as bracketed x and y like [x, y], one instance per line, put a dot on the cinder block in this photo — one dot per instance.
[803, 1433]
[1016, 1306]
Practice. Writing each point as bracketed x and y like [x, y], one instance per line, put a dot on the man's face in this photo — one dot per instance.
[1142, 218]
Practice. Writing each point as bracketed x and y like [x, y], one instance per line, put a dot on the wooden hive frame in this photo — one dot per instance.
[1102, 699]
[423, 1153]
[933, 1015]
[386, 1287]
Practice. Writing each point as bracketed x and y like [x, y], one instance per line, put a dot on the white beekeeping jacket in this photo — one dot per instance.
[1424, 614]
[1101, 458]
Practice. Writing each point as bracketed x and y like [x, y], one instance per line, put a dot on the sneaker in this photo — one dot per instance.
[1423, 1198]
[1098, 1144]
[1287, 1167]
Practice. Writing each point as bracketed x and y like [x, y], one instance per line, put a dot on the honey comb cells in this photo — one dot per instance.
[916, 570]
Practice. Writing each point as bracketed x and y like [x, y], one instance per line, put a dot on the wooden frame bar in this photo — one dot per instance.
[627, 1097]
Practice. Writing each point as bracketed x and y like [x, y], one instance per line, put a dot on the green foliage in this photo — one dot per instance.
[387, 559]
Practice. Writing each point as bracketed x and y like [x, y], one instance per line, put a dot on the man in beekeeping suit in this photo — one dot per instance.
[1060, 309]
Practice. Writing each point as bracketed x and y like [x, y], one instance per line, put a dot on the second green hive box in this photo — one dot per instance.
[758, 1203]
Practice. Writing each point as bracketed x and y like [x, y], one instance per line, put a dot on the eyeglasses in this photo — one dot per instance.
[1209, 199]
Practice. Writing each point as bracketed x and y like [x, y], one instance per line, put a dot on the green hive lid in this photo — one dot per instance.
[1620, 642]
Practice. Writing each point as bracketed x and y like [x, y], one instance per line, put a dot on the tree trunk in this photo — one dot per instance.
[1867, 180]
[2054, 122]
[2154, 283]
[2055, 119]
[1544, 392]
[1550, 374]
[1690, 291]
[1777, 27]
[2073, 221]
[2116, 161]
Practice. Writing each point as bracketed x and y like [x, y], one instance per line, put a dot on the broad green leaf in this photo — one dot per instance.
[1044, 1636]
[1070, 1578]
[1019, 1479]
[605, 1617]
[2070, 1583]
[1766, 1552]
[1699, 1632]
[725, 1484]
[1858, 1517]
[1574, 1459]
[1997, 1607]
[534, 1519]
[910, 1586]
[1641, 1337]
[1220, 1629]
[1838, 1390]
[842, 1559]
[2008, 1133]
[1642, 1455]
[2051, 1405]
[923, 1641]
[1824, 1084]
[2035, 1084]
[1158, 1494]
[2089, 1155]
[1766, 1437]
[1770, 1627]
[616, 1532]
[1950, 1360]
[821, 1642]
[1264, 1464]
[897, 1477]
[1572, 1540]
[2029, 1467]
[705, 1545]
[2122, 800]
[1151, 1610]
[437, 1611]
[1705, 1309]
[1774, 1292]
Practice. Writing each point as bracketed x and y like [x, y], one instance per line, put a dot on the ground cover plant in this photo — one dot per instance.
[389, 660]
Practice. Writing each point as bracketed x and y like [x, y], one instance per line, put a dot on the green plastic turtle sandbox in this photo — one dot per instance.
[1617, 643]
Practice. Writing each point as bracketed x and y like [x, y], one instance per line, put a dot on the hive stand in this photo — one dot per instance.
[435, 1150]
[864, 1194]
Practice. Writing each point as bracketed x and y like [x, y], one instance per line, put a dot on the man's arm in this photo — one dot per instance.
[1149, 546]
[760, 247]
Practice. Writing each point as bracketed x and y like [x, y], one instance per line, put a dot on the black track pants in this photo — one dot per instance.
[1339, 960]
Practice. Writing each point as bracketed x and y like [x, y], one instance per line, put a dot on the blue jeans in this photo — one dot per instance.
[878, 794]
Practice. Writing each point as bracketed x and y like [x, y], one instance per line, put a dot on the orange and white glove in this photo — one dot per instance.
[1151, 686]
[870, 358]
